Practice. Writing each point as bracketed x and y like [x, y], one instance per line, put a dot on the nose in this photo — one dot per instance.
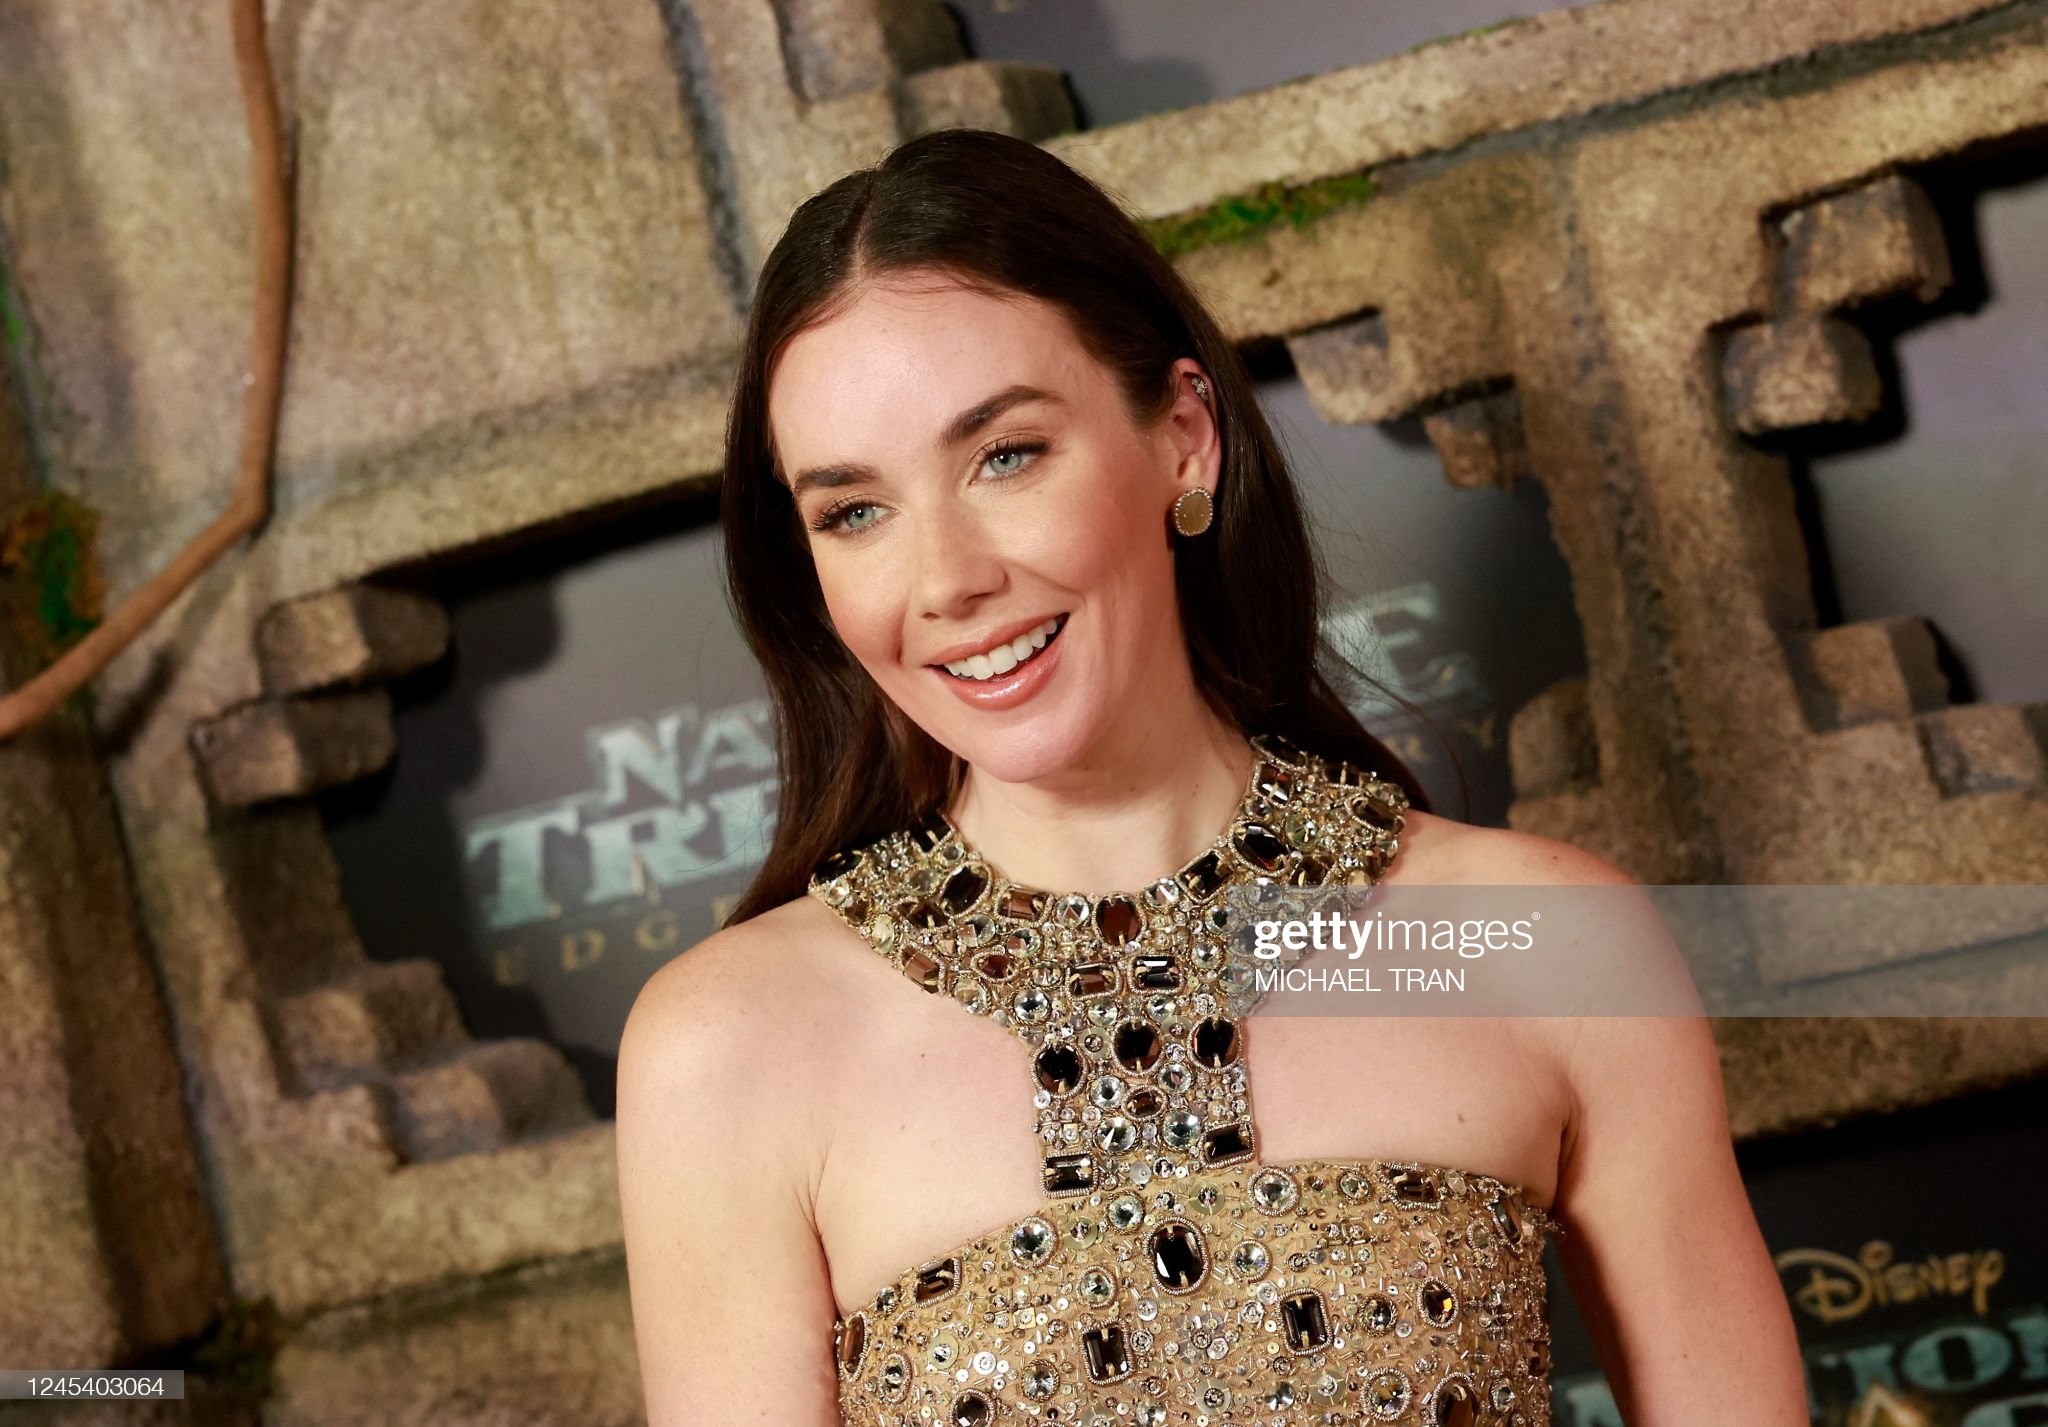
[958, 562]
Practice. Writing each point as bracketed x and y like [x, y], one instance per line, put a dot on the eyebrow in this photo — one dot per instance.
[957, 430]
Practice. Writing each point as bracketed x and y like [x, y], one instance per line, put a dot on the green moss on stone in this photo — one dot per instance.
[46, 554]
[1245, 216]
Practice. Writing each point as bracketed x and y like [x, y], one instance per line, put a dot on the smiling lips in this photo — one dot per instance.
[1000, 660]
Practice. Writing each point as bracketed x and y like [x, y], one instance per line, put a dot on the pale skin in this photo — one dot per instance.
[798, 1123]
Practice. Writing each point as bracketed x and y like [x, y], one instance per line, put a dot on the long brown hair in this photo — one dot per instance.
[1003, 215]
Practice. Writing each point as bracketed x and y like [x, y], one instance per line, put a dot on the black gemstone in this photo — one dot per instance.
[1509, 1218]
[1439, 1304]
[1280, 746]
[1119, 920]
[1275, 782]
[1155, 973]
[1376, 811]
[1226, 1143]
[1203, 876]
[853, 1340]
[1303, 1321]
[971, 1409]
[1456, 1405]
[1109, 1357]
[936, 1281]
[1137, 1045]
[837, 865]
[925, 913]
[1093, 979]
[1059, 1068]
[1177, 1259]
[1414, 1186]
[963, 889]
[1144, 1104]
[1215, 1042]
[1260, 848]
[1377, 1313]
[995, 965]
[928, 832]
[1023, 904]
[1310, 872]
[1069, 1173]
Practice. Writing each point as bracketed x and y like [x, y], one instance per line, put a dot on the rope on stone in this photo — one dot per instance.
[247, 509]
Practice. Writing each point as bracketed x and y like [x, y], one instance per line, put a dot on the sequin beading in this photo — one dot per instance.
[1172, 1276]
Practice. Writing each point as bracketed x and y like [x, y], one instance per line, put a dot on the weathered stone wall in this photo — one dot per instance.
[1602, 249]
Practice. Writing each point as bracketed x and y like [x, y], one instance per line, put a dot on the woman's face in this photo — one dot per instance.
[968, 477]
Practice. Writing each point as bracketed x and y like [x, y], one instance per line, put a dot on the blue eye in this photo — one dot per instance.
[832, 520]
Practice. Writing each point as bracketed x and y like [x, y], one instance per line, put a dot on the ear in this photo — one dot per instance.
[1192, 426]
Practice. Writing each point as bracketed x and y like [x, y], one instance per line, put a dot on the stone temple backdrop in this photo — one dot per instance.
[1641, 257]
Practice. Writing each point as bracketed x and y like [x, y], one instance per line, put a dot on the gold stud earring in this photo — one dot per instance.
[1193, 511]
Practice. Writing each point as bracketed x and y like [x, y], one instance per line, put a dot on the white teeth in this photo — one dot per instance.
[1004, 657]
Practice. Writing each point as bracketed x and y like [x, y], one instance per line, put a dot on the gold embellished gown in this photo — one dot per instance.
[1172, 1276]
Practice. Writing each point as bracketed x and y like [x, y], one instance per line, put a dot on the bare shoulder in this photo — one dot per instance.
[1444, 851]
[747, 1001]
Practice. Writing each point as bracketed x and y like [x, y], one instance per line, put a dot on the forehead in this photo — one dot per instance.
[888, 369]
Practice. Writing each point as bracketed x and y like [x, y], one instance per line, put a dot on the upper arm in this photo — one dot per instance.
[1660, 1246]
[731, 1301]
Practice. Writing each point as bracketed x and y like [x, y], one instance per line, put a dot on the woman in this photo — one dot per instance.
[1037, 605]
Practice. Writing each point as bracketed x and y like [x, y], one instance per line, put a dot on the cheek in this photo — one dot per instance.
[865, 609]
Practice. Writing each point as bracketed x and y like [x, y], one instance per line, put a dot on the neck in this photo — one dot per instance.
[1116, 820]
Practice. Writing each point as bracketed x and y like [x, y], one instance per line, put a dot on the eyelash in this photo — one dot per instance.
[827, 520]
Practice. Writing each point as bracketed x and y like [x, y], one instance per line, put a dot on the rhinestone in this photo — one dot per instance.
[1387, 1394]
[1059, 1068]
[921, 968]
[1509, 1217]
[1069, 1173]
[1280, 1395]
[1072, 910]
[1227, 1143]
[1107, 1091]
[1377, 1313]
[1145, 1103]
[1098, 1286]
[1179, 1262]
[1455, 1403]
[971, 1409]
[1092, 979]
[1023, 904]
[996, 965]
[1109, 1357]
[1377, 811]
[1155, 973]
[1116, 1134]
[853, 1339]
[1126, 1211]
[1203, 877]
[1439, 1304]
[1274, 1191]
[936, 1281]
[1180, 1128]
[1353, 1185]
[1031, 1242]
[971, 995]
[1118, 920]
[1414, 1185]
[894, 1379]
[1250, 1260]
[1259, 847]
[1280, 748]
[1215, 1042]
[963, 889]
[1040, 1380]
[1303, 1321]
[1031, 1006]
